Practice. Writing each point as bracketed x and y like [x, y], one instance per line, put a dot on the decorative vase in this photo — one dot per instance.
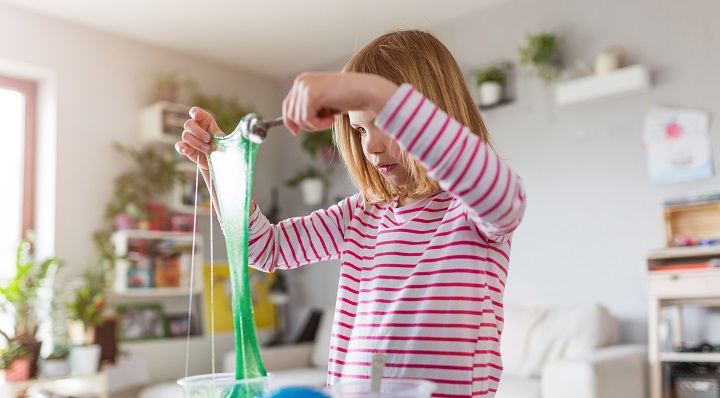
[84, 359]
[312, 191]
[19, 370]
[490, 93]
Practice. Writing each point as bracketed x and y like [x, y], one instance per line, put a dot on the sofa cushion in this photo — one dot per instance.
[517, 331]
[310, 377]
[518, 387]
[321, 345]
[568, 333]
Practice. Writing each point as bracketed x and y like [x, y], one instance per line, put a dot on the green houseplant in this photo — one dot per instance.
[490, 83]
[168, 85]
[21, 298]
[155, 174]
[320, 143]
[226, 111]
[86, 304]
[542, 52]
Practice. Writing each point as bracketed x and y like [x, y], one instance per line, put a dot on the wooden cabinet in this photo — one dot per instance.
[157, 263]
[677, 278]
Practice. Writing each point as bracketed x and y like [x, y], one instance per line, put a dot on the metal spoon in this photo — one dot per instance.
[254, 128]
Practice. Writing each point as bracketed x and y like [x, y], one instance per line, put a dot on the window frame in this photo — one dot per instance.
[29, 91]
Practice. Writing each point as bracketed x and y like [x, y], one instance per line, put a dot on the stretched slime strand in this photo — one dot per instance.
[231, 165]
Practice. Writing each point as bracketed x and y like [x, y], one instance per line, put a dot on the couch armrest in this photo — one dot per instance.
[617, 371]
[277, 357]
[287, 356]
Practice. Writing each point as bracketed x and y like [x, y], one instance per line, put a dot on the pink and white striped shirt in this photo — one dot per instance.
[422, 284]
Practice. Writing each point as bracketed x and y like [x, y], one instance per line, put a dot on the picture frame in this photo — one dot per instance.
[178, 325]
[141, 322]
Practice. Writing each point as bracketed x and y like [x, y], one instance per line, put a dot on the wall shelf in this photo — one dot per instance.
[627, 80]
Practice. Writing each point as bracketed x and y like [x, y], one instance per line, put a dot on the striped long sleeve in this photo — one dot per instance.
[421, 284]
[459, 160]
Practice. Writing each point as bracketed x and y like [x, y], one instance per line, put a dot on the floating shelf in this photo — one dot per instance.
[629, 79]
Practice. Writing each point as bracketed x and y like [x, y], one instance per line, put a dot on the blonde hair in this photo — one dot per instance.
[418, 58]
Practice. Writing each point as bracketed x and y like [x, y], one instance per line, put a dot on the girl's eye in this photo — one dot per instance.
[361, 131]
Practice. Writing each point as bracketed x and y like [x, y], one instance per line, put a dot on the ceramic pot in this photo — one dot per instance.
[490, 93]
[84, 359]
[32, 349]
[54, 368]
[19, 370]
[312, 191]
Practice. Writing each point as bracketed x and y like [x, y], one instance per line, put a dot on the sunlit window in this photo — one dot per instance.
[16, 199]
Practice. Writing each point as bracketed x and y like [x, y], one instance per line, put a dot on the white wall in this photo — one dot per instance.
[97, 84]
[592, 212]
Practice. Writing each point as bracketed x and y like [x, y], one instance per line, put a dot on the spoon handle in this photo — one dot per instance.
[275, 122]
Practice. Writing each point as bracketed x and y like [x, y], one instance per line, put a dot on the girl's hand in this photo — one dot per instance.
[315, 98]
[196, 139]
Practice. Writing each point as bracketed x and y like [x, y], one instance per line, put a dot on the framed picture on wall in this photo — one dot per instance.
[178, 325]
[141, 322]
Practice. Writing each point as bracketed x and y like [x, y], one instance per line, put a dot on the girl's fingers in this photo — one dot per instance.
[288, 118]
[193, 141]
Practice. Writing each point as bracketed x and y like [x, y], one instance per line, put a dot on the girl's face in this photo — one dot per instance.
[382, 151]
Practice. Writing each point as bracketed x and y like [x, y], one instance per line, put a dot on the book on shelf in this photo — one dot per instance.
[699, 266]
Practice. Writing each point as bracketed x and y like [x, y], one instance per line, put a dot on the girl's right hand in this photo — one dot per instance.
[196, 137]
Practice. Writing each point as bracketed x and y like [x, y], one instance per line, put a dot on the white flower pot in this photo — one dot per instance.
[84, 359]
[490, 93]
[312, 191]
[50, 368]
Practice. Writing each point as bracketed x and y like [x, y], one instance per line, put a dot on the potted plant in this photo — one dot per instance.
[312, 184]
[320, 143]
[22, 299]
[155, 174]
[14, 361]
[226, 112]
[490, 83]
[86, 305]
[542, 52]
[168, 85]
[56, 364]
[85, 311]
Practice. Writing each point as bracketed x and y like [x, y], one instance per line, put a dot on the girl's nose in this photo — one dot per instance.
[374, 142]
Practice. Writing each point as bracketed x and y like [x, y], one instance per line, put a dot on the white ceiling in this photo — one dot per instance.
[275, 38]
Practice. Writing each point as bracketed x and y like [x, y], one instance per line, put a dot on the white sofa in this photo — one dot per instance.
[570, 352]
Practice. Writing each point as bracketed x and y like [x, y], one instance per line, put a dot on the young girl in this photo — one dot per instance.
[425, 244]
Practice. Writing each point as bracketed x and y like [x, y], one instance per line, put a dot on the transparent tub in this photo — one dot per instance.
[223, 385]
[389, 388]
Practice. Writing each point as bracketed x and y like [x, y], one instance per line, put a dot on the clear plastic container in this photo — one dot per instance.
[389, 388]
[223, 385]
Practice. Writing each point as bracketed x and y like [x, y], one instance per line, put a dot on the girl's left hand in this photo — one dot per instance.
[315, 98]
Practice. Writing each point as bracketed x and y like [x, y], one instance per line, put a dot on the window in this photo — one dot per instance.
[17, 161]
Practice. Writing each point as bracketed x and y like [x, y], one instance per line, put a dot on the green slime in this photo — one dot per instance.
[231, 164]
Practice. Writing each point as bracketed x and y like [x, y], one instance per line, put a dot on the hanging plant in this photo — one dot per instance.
[542, 52]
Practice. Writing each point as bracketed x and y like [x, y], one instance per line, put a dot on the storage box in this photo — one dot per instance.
[692, 224]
